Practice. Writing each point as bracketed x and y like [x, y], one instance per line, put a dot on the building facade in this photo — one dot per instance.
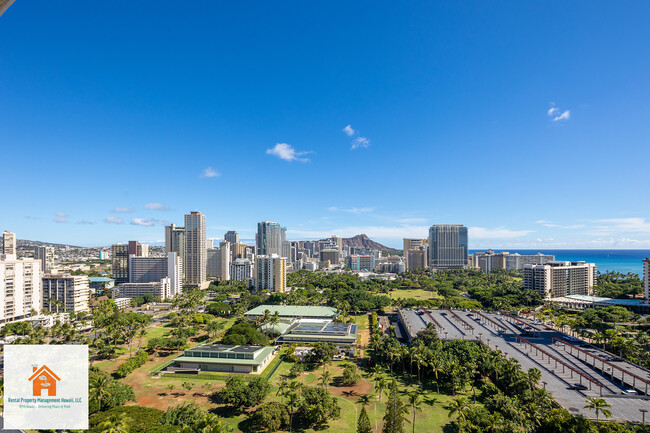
[66, 293]
[46, 256]
[8, 243]
[196, 248]
[120, 259]
[413, 244]
[160, 289]
[231, 236]
[271, 273]
[270, 238]
[489, 260]
[20, 287]
[448, 246]
[218, 264]
[360, 263]
[241, 270]
[155, 269]
[646, 279]
[560, 279]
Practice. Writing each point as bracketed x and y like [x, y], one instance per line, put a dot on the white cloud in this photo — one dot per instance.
[360, 142]
[625, 225]
[113, 220]
[210, 172]
[496, 233]
[149, 222]
[118, 209]
[564, 116]
[156, 206]
[351, 210]
[287, 152]
[559, 226]
[349, 131]
[85, 222]
[60, 217]
[551, 111]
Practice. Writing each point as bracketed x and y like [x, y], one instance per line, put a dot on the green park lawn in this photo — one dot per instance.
[418, 294]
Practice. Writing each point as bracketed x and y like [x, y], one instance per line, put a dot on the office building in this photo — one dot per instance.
[331, 243]
[415, 258]
[196, 249]
[224, 358]
[646, 279]
[155, 269]
[361, 263]
[218, 262]
[269, 238]
[20, 287]
[560, 279]
[242, 270]
[330, 255]
[175, 240]
[46, 256]
[271, 273]
[120, 259]
[160, 289]
[66, 293]
[448, 246]
[292, 312]
[489, 260]
[231, 236]
[9, 242]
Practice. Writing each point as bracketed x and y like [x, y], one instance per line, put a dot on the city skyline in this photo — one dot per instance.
[526, 122]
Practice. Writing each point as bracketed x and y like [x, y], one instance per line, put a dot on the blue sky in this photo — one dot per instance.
[526, 121]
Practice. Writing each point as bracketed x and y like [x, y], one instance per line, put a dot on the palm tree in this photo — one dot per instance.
[436, 367]
[282, 390]
[380, 386]
[415, 401]
[100, 389]
[533, 377]
[599, 405]
[116, 424]
[293, 405]
[325, 378]
[459, 406]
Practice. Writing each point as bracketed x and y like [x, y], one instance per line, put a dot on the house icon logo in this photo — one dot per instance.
[43, 379]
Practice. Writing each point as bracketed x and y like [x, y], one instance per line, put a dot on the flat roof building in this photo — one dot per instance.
[559, 279]
[66, 293]
[313, 331]
[294, 311]
[20, 287]
[221, 357]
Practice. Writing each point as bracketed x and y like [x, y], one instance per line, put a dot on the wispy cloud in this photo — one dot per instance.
[287, 152]
[85, 222]
[210, 172]
[156, 206]
[60, 217]
[113, 220]
[118, 209]
[349, 131]
[623, 225]
[558, 115]
[358, 141]
[496, 233]
[560, 226]
[149, 222]
[351, 210]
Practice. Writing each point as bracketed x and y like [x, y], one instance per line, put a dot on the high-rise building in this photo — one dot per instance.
[415, 258]
[241, 270]
[66, 293]
[646, 279]
[20, 287]
[196, 249]
[121, 253]
[8, 242]
[269, 238]
[448, 246]
[159, 289]
[218, 262]
[559, 279]
[154, 269]
[231, 236]
[46, 256]
[489, 261]
[361, 263]
[330, 255]
[413, 244]
[271, 273]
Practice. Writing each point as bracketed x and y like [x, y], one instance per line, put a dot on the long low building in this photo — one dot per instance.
[293, 312]
[222, 357]
[314, 331]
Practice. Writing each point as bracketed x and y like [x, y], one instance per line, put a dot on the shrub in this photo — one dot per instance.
[132, 363]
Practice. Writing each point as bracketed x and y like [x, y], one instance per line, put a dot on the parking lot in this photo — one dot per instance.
[571, 369]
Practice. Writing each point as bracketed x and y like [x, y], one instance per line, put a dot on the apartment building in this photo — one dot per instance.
[66, 293]
[271, 273]
[559, 279]
[20, 287]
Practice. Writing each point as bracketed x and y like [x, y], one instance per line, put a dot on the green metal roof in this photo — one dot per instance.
[294, 311]
[261, 355]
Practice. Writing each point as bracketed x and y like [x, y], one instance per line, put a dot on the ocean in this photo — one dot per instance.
[622, 261]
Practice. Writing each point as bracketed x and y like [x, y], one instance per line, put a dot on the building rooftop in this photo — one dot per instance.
[226, 348]
[100, 279]
[294, 311]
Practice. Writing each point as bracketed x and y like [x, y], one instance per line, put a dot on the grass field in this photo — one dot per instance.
[418, 294]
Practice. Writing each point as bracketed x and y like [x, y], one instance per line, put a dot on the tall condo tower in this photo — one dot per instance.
[196, 248]
[448, 246]
[269, 238]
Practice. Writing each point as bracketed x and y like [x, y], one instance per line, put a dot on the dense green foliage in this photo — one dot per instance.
[245, 333]
[363, 423]
[396, 411]
[104, 392]
[240, 393]
[320, 353]
[132, 363]
[139, 420]
[351, 375]
[617, 285]
[318, 406]
[270, 417]
[192, 419]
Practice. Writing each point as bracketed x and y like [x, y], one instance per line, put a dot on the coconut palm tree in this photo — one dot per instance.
[380, 386]
[436, 367]
[100, 389]
[282, 390]
[459, 406]
[415, 401]
[325, 378]
[116, 424]
[598, 405]
[293, 405]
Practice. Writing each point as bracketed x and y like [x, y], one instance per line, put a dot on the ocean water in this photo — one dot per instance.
[623, 261]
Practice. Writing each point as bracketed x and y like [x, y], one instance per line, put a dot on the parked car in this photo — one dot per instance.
[629, 391]
[578, 387]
